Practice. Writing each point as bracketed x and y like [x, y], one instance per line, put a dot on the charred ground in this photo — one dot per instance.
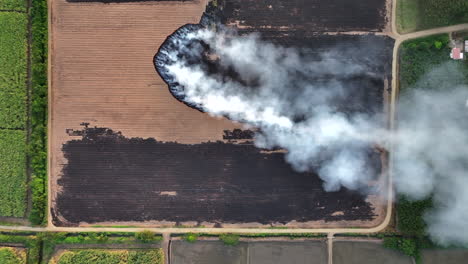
[113, 178]
[110, 177]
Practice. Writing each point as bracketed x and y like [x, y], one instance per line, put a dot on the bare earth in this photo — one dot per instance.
[99, 74]
[102, 73]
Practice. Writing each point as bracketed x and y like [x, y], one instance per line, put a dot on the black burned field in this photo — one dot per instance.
[113, 178]
[309, 15]
[169, 164]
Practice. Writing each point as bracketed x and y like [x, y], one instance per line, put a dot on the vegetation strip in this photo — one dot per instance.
[414, 15]
[13, 71]
[38, 137]
[9, 255]
[154, 256]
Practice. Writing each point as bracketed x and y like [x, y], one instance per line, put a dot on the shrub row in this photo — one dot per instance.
[38, 140]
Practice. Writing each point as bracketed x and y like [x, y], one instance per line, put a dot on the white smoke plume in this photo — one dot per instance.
[431, 155]
[298, 103]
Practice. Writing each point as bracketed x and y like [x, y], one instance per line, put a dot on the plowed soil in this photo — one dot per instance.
[103, 74]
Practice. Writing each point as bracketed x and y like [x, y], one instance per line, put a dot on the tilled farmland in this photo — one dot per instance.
[210, 182]
[125, 150]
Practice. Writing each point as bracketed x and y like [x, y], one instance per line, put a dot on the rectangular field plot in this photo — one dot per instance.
[109, 177]
[12, 255]
[13, 54]
[215, 252]
[120, 256]
[308, 15]
[13, 5]
[12, 173]
[446, 256]
[145, 158]
[357, 252]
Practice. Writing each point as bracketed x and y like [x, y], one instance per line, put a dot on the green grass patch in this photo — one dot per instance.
[10, 255]
[99, 256]
[191, 237]
[13, 61]
[13, 5]
[407, 16]
[229, 239]
[147, 237]
[414, 15]
[38, 138]
[12, 173]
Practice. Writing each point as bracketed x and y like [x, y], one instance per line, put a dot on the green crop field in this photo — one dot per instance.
[95, 256]
[13, 58]
[11, 256]
[414, 15]
[13, 5]
[12, 173]
[13, 105]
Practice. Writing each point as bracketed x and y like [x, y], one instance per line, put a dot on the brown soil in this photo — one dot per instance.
[102, 73]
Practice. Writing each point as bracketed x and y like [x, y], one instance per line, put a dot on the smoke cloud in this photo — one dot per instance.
[309, 104]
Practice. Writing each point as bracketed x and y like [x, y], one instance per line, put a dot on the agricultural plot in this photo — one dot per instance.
[306, 15]
[11, 255]
[13, 5]
[13, 56]
[101, 256]
[414, 15]
[13, 173]
[279, 252]
[358, 252]
[142, 157]
[446, 256]
[208, 182]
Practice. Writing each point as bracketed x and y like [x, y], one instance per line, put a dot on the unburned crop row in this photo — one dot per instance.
[13, 57]
[13, 5]
[154, 256]
[13, 119]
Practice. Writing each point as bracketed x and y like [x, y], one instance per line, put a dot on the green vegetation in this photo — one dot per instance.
[12, 173]
[410, 216]
[13, 109]
[414, 15]
[30, 242]
[13, 61]
[418, 56]
[13, 5]
[51, 240]
[11, 256]
[38, 138]
[405, 245]
[147, 237]
[229, 239]
[95, 256]
[191, 237]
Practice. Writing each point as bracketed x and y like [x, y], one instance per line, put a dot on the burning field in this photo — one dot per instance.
[146, 154]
